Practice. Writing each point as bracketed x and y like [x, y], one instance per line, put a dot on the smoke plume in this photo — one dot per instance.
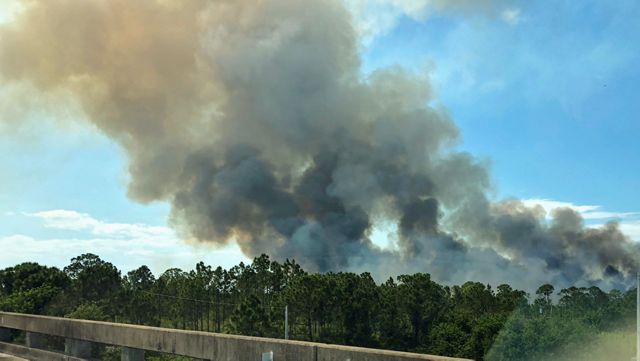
[252, 118]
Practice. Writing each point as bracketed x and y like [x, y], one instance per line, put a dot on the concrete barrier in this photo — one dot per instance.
[5, 357]
[200, 345]
[34, 354]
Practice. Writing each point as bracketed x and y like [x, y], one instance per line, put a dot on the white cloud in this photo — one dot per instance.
[63, 219]
[549, 205]
[511, 16]
[8, 9]
[374, 18]
[76, 221]
[631, 229]
[629, 222]
[159, 254]
[128, 246]
[586, 211]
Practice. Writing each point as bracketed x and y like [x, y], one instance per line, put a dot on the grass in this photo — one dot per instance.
[606, 346]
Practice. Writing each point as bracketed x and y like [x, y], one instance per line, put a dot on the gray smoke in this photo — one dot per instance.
[252, 118]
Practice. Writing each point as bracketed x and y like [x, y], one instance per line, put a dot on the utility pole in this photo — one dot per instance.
[286, 322]
[637, 358]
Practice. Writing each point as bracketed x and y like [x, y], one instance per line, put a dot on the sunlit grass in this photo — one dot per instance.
[606, 346]
[616, 344]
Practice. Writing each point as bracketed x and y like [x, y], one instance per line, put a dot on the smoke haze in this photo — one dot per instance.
[252, 118]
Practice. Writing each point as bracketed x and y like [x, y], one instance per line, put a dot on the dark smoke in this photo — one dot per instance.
[252, 119]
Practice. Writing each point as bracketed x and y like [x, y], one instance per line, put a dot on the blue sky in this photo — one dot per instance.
[551, 99]
[546, 91]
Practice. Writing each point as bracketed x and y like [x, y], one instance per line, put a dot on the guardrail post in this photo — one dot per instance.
[77, 348]
[5, 334]
[132, 354]
[34, 340]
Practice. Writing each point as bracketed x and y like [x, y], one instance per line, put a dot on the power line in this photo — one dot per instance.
[198, 300]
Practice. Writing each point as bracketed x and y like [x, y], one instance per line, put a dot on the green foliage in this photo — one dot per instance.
[410, 313]
[250, 318]
[165, 357]
[423, 302]
[93, 279]
[30, 287]
[88, 311]
[28, 276]
[544, 329]
[137, 297]
[29, 301]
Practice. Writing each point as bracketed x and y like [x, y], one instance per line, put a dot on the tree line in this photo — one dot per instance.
[409, 313]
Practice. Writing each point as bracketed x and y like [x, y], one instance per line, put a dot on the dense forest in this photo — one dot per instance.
[409, 313]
